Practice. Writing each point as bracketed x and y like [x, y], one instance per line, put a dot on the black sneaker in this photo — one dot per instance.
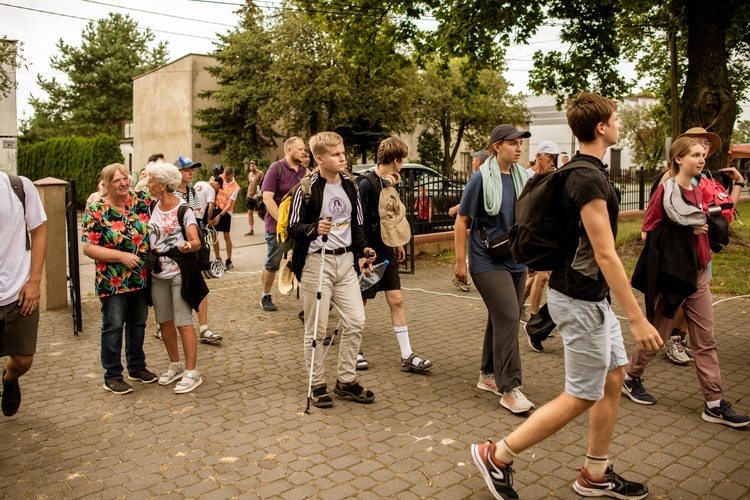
[498, 479]
[611, 485]
[267, 304]
[117, 386]
[144, 376]
[301, 316]
[634, 390]
[11, 399]
[724, 414]
[353, 391]
[534, 342]
[229, 265]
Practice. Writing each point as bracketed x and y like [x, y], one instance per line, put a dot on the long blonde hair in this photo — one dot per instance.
[680, 148]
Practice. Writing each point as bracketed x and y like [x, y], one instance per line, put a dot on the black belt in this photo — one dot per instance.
[335, 251]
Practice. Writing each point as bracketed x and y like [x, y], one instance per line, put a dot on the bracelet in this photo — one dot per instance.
[740, 184]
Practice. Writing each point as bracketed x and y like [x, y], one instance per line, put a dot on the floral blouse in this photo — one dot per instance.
[105, 226]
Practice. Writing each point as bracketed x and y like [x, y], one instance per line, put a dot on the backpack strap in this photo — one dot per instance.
[17, 187]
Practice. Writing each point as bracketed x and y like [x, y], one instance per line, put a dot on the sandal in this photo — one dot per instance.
[320, 397]
[407, 365]
[209, 337]
[353, 391]
[362, 363]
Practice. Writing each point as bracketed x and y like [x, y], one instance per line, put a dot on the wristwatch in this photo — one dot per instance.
[740, 184]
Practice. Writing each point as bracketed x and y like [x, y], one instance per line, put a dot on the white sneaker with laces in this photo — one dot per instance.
[515, 401]
[173, 373]
[675, 350]
[188, 382]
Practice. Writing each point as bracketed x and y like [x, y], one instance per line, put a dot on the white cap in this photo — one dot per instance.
[549, 147]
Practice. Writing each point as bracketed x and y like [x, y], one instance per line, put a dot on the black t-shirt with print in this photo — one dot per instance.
[580, 277]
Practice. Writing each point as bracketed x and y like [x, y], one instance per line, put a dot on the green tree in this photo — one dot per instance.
[430, 149]
[459, 102]
[741, 134]
[643, 129]
[99, 95]
[237, 121]
[10, 57]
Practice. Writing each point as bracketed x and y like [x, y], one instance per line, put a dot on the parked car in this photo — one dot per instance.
[445, 192]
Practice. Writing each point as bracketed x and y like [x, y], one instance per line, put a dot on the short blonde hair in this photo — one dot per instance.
[108, 174]
[319, 143]
[165, 173]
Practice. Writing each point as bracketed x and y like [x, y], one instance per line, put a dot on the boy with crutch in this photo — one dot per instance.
[326, 227]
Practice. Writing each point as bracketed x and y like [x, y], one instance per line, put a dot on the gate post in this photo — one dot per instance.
[54, 279]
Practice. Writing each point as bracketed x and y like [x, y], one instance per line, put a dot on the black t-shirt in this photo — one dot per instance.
[580, 277]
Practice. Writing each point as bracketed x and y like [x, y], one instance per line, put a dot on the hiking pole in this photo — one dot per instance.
[315, 328]
[335, 332]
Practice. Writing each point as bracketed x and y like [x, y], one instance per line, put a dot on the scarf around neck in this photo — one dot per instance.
[492, 183]
[679, 210]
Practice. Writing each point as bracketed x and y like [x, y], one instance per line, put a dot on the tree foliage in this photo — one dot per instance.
[458, 101]
[99, 95]
[741, 134]
[235, 122]
[10, 57]
[643, 128]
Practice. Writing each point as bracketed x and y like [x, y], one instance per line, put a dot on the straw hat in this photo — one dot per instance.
[394, 227]
[287, 283]
[702, 132]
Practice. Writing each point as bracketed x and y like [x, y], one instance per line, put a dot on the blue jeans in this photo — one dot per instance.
[273, 253]
[128, 311]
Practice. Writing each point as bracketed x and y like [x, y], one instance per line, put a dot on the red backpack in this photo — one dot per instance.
[716, 196]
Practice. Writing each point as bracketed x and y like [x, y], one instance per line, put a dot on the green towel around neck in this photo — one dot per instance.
[492, 183]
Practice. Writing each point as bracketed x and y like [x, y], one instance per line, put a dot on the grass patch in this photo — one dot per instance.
[731, 274]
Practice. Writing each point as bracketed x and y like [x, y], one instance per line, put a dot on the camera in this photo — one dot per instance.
[714, 211]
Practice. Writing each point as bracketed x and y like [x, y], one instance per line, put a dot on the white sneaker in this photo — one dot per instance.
[173, 373]
[487, 383]
[675, 350]
[188, 382]
[515, 401]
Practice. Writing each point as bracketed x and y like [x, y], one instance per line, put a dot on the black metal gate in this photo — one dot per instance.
[74, 277]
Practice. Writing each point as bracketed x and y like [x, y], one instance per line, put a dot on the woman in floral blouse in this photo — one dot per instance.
[177, 284]
[114, 234]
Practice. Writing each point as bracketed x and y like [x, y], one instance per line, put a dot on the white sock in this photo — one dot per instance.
[175, 365]
[266, 294]
[628, 378]
[192, 373]
[203, 328]
[402, 335]
[713, 404]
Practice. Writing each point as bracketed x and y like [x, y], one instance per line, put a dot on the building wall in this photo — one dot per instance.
[9, 124]
[164, 105]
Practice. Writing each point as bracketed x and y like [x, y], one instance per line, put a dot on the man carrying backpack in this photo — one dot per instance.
[21, 263]
[186, 192]
[578, 302]
[280, 177]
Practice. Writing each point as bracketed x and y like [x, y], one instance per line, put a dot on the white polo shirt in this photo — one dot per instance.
[15, 261]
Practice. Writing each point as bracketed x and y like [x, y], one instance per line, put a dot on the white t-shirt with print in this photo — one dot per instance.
[165, 234]
[15, 261]
[206, 195]
[335, 204]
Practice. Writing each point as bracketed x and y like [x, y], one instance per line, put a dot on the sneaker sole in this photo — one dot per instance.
[362, 366]
[634, 399]
[517, 410]
[210, 341]
[715, 420]
[119, 393]
[601, 492]
[488, 389]
[189, 389]
[484, 472]
[144, 381]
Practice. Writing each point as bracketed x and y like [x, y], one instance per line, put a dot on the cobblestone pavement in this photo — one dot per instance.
[243, 433]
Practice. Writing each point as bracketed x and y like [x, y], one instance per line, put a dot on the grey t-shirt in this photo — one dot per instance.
[472, 204]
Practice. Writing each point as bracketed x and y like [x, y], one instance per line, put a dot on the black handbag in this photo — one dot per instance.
[498, 247]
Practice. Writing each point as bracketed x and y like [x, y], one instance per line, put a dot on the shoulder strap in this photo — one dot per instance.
[277, 166]
[17, 184]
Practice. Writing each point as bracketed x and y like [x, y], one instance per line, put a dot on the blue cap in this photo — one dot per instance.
[185, 162]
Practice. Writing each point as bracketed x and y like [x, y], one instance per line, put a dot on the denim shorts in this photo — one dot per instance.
[592, 340]
[273, 255]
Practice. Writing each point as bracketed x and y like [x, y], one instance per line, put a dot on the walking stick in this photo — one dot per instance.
[315, 328]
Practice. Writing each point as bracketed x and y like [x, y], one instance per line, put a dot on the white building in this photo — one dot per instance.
[9, 122]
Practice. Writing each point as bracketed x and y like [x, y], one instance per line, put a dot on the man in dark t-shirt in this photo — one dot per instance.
[578, 302]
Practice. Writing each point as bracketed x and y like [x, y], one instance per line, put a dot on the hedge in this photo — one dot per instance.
[69, 158]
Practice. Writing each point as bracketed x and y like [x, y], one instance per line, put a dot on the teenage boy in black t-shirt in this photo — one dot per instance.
[578, 302]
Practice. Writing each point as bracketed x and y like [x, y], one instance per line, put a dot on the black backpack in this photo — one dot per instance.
[17, 187]
[538, 237]
[203, 255]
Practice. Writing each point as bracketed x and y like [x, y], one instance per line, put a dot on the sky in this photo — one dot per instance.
[188, 26]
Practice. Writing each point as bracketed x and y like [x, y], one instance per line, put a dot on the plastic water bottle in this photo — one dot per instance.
[376, 274]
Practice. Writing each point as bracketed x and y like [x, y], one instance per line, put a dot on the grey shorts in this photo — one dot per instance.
[168, 303]
[592, 340]
[17, 333]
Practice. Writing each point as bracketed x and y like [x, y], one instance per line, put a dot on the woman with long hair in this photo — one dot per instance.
[488, 209]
